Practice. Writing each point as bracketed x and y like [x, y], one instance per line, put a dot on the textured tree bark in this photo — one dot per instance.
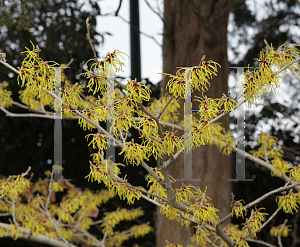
[193, 29]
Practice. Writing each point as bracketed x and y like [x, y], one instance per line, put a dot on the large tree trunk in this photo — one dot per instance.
[193, 29]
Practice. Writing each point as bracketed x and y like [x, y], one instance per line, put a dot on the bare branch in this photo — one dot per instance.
[260, 242]
[88, 35]
[119, 7]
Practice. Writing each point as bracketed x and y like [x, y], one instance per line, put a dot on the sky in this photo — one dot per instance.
[150, 23]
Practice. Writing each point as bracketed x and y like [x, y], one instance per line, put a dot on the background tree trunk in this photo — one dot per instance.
[193, 29]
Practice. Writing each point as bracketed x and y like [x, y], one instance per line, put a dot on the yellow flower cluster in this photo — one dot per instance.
[170, 114]
[199, 78]
[5, 96]
[288, 202]
[111, 219]
[138, 91]
[266, 76]
[76, 208]
[224, 141]
[201, 236]
[37, 73]
[38, 76]
[238, 209]
[134, 153]
[255, 221]
[203, 210]
[274, 231]
[233, 232]
[270, 149]
[101, 72]
[140, 230]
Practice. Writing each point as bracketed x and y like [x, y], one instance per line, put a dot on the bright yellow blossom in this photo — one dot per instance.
[134, 153]
[138, 91]
[171, 141]
[99, 141]
[238, 209]
[288, 202]
[294, 172]
[201, 236]
[137, 231]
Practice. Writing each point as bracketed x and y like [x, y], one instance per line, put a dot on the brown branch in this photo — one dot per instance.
[10, 67]
[119, 7]
[280, 231]
[260, 242]
[88, 35]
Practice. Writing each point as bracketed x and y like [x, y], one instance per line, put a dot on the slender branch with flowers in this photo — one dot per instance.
[69, 223]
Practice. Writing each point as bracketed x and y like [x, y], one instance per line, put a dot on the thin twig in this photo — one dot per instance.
[88, 35]
[280, 231]
[10, 67]
[147, 35]
[263, 197]
[265, 223]
[86, 234]
[260, 242]
[119, 7]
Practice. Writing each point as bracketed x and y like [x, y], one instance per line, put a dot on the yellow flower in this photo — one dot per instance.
[294, 172]
[154, 148]
[149, 127]
[5, 96]
[57, 187]
[138, 91]
[99, 141]
[111, 219]
[65, 216]
[208, 108]
[200, 74]
[201, 235]
[170, 212]
[85, 124]
[184, 194]
[15, 232]
[171, 141]
[226, 103]
[224, 141]
[274, 231]
[238, 209]
[37, 73]
[205, 212]
[137, 231]
[171, 112]
[123, 121]
[255, 221]
[176, 84]
[242, 243]
[125, 192]
[280, 166]
[288, 202]
[100, 71]
[134, 153]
